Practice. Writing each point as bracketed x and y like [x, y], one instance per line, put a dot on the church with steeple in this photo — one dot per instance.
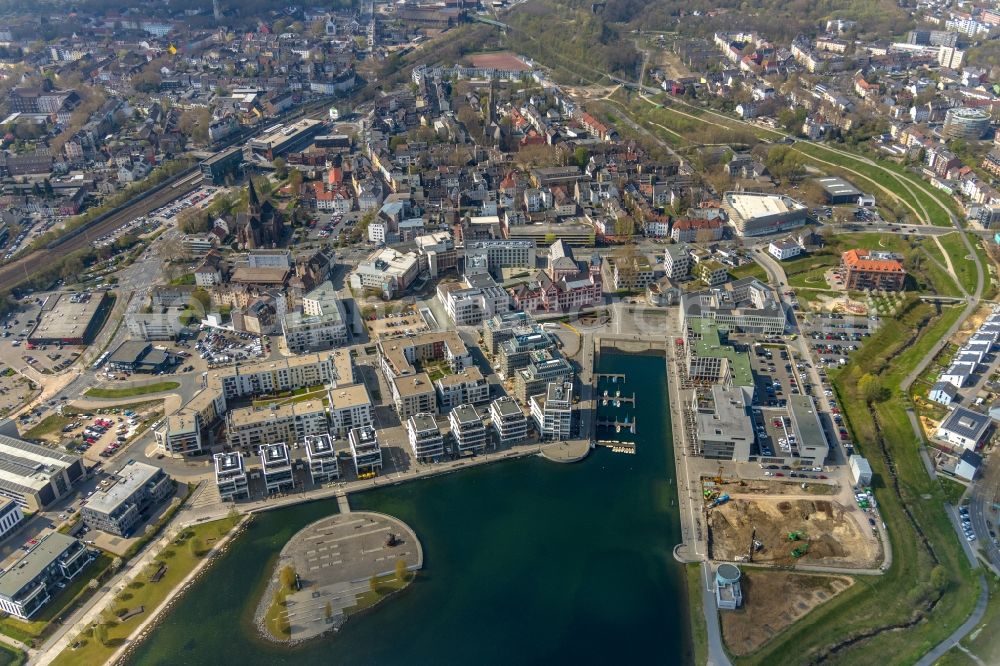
[262, 226]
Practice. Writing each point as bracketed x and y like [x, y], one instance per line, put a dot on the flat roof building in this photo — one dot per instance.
[139, 356]
[757, 214]
[284, 139]
[426, 440]
[724, 428]
[712, 360]
[231, 477]
[745, 306]
[349, 407]
[365, 450]
[509, 422]
[965, 428]
[838, 191]
[135, 489]
[251, 427]
[322, 457]
[811, 446]
[468, 430]
[552, 411]
[277, 463]
[10, 516]
[35, 476]
[31, 582]
[72, 319]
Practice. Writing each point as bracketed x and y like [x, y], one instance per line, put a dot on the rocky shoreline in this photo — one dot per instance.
[178, 594]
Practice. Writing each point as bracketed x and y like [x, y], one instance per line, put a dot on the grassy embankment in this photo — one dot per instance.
[111, 394]
[180, 558]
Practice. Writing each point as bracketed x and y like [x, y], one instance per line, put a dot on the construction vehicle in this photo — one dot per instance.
[800, 550]
[796, 536]
[722, 499]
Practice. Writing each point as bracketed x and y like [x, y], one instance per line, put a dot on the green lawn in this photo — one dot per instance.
[50, 425]
[965, 268]
[27, 631]
[180, 558]
[699, 629]
[751, 269]
[158, 387]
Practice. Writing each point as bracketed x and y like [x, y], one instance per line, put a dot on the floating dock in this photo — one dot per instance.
[611, 399]
[614, 377]
[617, 425]
[618, 447]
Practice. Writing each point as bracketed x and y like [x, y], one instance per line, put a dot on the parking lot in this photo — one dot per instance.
[145, 224]
[833, 336]
[221, 348]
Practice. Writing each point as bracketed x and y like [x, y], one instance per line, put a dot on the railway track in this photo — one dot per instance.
[19, 270]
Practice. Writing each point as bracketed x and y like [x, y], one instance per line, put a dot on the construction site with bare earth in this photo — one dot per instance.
[796, 544]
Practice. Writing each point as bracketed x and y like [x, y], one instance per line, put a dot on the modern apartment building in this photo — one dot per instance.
[722, 418]
[872, 270]
[386, 271]
[320, 324]
[277, 462]
[31, 582]
[467, 386]
[322, 458]
[250, 427]
[136, 489]
[286, 374]
[426, 440]
[468, 430]
[413, 394]
[365, 450]
[231, 477]
[552, 411]
[746, 306]
[677, 261]
[350, 407]
[509, 421]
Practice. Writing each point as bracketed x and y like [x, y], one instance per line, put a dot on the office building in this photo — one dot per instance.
[425, 437]
[710, 359]
[365, 450]
[724, 427]
[468, 430]
[322, 458]
[35, 476]
[515, 352]
[31, 582]
[231, 477]
[10, 516]
[965, 122]
[502, 327]
[542, 369]
[277, 462]
[386, 271]
[744, 306]
[552, 411]
[677, 261]
[509, 422]
[501, 253]
[136, 489]
[476, 298]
